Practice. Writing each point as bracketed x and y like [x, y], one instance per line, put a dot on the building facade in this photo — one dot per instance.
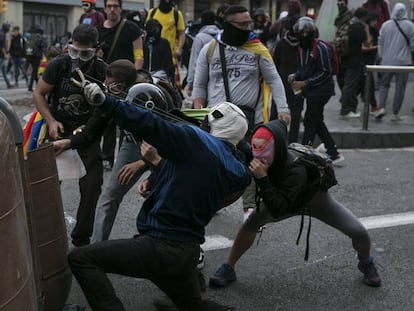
[60, 16]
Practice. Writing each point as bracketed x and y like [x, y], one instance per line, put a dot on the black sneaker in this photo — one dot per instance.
[81, 242]
[371, 276]
[164, 304]
[223, 276]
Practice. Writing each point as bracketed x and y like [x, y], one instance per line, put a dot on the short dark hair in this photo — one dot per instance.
[119, 2]
[85, 34]
[361, 12]
[234, 9]
[122, 70]
[221, 9]
[208, 18]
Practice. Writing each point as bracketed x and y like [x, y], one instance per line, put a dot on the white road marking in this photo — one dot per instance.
[214, 242]
[390, 220]
[373, 222]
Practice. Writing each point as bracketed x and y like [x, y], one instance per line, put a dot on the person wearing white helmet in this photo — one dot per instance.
[91, 15]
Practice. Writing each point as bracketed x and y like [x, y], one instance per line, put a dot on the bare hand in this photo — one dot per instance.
[60, 145]
[258, 168]
[144, 188]
[128, 171]
[298, 85]
[150, 153]
[54, 128]
[284, 117]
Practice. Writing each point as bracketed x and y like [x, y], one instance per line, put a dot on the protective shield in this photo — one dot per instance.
[17, 285]
[48, 227]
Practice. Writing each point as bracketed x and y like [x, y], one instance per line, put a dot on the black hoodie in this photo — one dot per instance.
[284, 189]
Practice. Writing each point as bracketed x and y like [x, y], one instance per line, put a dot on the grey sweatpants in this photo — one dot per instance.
[325, 208]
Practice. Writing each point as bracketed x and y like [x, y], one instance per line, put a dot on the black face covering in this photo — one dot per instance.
[305, 42]
[342, 9]
[234, 36]
[164, 6]
[154, 33]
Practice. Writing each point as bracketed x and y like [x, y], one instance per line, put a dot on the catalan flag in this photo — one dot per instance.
[34, 132]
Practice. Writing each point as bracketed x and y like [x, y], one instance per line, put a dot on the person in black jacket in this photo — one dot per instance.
[157, 51]
[17, 53]
[315, 82]
[283, 192]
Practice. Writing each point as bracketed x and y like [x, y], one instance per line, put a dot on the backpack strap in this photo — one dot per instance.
[210, 50]
[118, 32]
[402, 32]
[153, 11]
[224, 72]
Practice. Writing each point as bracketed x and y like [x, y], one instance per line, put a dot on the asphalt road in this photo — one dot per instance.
[273, 274]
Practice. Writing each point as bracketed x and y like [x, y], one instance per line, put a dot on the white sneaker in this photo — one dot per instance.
[321, 148]
[337, 159]
[396, 117]
[351, 115]
[380, 113]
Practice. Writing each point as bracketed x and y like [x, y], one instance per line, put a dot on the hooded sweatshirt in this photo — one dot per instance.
[294, 8]
[204, 36]
[393, 46]
[198, 173]
[284, 189]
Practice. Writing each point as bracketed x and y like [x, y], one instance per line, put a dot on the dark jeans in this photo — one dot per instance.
[351, 86]
[109, 142]
[296, 107]
[35, 62]
[170, 265]
[314, 124]
[90, 189]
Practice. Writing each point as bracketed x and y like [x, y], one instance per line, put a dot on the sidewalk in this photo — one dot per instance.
[346, 133]
[382, 133]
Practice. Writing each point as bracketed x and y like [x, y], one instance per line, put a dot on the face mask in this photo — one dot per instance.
[266, 152]
[305, 42]
[154, 33]
[235, 36]
[164, 6]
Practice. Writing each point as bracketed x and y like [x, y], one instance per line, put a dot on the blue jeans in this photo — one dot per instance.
[114, 192]
[17, 64]
[3, 66]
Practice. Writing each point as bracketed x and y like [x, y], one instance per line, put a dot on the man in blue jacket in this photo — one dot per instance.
[171, 221]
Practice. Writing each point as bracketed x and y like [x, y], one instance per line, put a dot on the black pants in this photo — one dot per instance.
[315, 125]
[90, 189]
[35, 62]
[109, 142]
[170, 265]
[296, 107]
[352, 80]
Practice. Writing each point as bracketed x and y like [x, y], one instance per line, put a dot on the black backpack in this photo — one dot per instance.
[321, 174]
[321, 177]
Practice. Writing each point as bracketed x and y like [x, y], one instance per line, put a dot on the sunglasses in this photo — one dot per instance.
[115, 88]
[86, 5]
[83, 54]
